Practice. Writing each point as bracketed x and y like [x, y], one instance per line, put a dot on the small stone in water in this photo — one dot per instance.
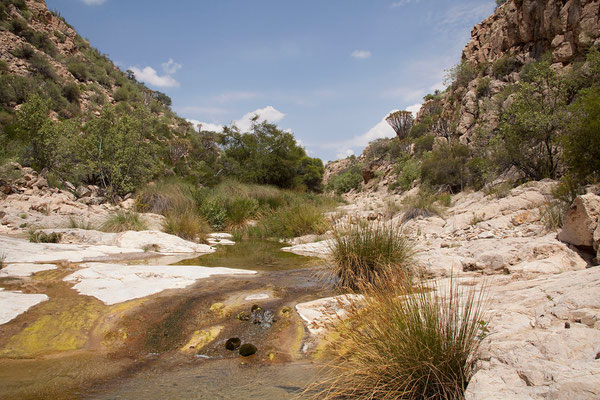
[233, 343]
[247, 350]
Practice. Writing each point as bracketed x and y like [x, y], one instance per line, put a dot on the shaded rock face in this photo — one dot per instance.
[582, 222]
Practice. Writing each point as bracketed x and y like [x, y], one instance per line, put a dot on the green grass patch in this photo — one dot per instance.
[122, 221]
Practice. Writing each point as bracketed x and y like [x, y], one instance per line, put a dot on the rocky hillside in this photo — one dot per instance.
[530, 57]
[40, 52]
[519, 32]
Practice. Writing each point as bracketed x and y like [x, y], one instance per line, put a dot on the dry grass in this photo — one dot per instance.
[405, 342]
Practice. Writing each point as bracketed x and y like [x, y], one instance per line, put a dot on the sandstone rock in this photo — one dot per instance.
[582, 221]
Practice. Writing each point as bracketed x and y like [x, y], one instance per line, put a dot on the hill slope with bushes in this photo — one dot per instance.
[67, 111]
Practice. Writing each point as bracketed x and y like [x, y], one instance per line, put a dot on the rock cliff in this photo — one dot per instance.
[519, 31]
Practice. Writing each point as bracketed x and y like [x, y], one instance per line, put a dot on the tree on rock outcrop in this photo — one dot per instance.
[401, 122]
[531, 125]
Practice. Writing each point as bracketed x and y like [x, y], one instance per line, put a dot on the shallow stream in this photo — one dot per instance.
[170, 345]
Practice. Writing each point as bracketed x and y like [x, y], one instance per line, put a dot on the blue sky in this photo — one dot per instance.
[328, 70]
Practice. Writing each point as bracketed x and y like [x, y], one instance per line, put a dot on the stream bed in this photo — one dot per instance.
[170, 345]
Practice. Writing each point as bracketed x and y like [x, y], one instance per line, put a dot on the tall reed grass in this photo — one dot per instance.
[403, 341]
[365, 252]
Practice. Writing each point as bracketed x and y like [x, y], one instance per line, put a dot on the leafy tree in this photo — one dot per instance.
[266, 155]
[310, 174]
[531, 124]
[581, 140]
[117, 153]
[447, 165]
[36, 128]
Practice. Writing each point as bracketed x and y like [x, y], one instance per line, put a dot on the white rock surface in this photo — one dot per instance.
[257, 296]
[22, 251]
[530, 353]
[13, 304]
[156, 241]
[22, 270]
[220, 238]
[116, 283]
[321, 313]
[581, 221]
[317, 249]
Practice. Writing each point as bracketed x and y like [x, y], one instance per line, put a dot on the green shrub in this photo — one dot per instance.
[39, 64]
[186, 224]
[405, 341]
[14, 89]
[42, 237]
[446, 165]
[461, 74]
[121, 94]
[25, 52]
[215, 213]
[18, 26]
[407, 172]
[483, 86]
[504, 65]
[424, 143]
[78, 69]
[365, 253]
[71, 92]
[122, 221]
[346, 181]
[581, 141]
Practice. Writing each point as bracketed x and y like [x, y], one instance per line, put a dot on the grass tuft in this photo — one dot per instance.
[553, 213]
[122, 221]
[405, 342]
[74, 224]
[187, 225]
[366, 252]
[423, 204]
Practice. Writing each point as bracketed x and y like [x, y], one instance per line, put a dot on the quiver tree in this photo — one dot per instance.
[401, 122]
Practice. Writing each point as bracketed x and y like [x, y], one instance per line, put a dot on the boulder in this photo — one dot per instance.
[582, 221]
[247, 350]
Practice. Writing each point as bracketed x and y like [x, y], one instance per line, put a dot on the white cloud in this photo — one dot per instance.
[94, 2]
[234, 96]
[205, 126]
[269, 114]
[361, 54]
[414, 109]
[150, 76]
[170, 67]
[344, 153]
[403, 3]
